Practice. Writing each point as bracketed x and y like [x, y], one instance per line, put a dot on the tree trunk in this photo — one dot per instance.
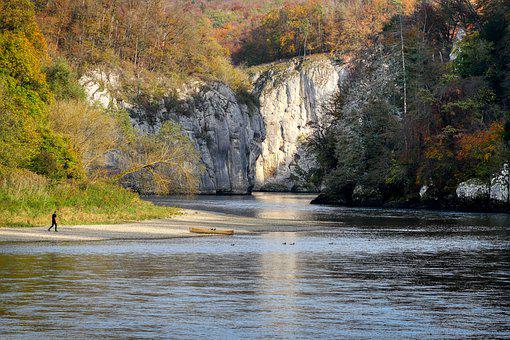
[304, 47]
[403, 60]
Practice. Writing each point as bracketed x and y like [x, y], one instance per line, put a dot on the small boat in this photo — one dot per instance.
[213, 231]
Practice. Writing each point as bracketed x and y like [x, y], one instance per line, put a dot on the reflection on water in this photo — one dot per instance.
[387, 273]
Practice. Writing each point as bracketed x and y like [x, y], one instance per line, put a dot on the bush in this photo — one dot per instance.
[62, 80]
[91, 131]
[56, 159]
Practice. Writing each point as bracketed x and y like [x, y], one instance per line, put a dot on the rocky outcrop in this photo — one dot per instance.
[242, 147]
[472, 189]
[500, 185]
[475, 189]
[291, 96]
[227, 133]
[99, 86]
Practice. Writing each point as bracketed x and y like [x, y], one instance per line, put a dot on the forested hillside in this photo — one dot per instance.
[261, 31]
[426, 106]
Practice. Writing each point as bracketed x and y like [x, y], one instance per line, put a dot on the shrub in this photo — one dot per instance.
[56, 159]
[62, 80]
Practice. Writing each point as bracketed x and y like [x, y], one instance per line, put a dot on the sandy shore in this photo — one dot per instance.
[177, 226]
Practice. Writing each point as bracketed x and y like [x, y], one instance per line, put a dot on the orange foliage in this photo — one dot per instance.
[482, 144]
[440, 147]
[327, 26]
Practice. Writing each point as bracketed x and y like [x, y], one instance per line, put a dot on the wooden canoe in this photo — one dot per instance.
[213, 231]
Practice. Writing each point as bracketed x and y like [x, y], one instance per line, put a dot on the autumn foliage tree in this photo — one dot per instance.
[148, 39]
[165, 162]
[26, 140]
[292, 30]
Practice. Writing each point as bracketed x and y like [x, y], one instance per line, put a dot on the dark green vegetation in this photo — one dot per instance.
[54, 146]
[410, 115]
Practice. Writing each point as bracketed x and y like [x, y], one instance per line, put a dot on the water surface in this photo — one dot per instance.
[368, 273]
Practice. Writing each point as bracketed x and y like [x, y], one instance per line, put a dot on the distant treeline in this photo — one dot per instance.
[200, 36]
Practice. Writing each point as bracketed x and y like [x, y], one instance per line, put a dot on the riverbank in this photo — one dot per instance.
[28, 200]
[176, 226]
[448, 204]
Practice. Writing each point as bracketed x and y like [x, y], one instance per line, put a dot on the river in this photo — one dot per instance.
[341, 273]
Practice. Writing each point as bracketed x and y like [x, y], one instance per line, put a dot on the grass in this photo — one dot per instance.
[28, 200]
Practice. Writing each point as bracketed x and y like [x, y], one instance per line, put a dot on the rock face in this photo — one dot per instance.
[227, 133]
[98, 86]
[472, 189]
[498, 191]
[291, 96]
[242, 147]
[500, 185]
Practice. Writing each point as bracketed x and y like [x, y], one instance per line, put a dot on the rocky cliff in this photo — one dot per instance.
[497, 189]
[243, 147]
[227, 132]
[291, 96]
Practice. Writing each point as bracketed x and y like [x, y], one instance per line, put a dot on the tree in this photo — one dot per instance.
[149, 40]
[23, 89]
[25, 138]
[166, 162]
[63, 81]
[404, 75]
[292, 30]
[92, 132]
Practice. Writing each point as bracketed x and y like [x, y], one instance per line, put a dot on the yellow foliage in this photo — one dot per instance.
[91, 131]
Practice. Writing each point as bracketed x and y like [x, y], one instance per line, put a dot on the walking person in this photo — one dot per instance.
[53, 221]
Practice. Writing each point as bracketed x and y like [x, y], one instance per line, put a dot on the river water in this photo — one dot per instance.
[352, 273]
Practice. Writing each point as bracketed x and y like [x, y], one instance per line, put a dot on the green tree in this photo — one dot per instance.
[23, 89]
[25, 139]
[63, 81]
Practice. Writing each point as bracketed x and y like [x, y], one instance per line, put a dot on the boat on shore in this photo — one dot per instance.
[212, 231]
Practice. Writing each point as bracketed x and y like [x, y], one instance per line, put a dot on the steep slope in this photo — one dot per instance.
[291, 96]
[227, 133]
[243, 147]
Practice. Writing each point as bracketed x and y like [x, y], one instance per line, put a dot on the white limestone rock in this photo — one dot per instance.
[456, 48]
[231, 135]
[226, 132]
[423, 190]
[472, 189]
[291, 96]
[500, 185]
[477, 189]
[98, 86]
